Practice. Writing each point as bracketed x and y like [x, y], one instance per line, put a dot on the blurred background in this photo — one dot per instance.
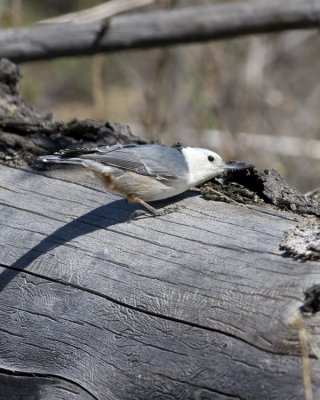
[255, 98]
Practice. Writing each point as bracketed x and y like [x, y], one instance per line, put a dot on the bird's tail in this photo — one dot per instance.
[58, 159]
[90, 164]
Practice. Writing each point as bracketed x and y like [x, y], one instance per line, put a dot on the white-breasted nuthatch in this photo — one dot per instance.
[149, 172]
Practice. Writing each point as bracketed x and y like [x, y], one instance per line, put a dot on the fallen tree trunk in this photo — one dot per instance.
[158, 28]
[195, 304]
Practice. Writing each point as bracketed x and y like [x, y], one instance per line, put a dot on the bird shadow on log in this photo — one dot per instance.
[101, 217]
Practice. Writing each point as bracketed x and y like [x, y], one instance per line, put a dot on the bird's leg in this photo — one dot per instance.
[137, 213]
[150, 209]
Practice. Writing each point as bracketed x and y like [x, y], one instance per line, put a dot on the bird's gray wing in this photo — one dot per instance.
[155, 160]
[82, 152]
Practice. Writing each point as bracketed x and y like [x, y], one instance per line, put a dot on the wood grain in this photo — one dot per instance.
[158, 28]
[32, 387]
[191, 305]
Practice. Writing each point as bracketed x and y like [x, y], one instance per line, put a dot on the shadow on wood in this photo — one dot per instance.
[85, 224]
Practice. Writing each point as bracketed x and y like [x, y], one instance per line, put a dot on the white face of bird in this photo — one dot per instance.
[203, 164]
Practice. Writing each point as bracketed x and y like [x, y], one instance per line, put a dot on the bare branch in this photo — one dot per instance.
[158, 28]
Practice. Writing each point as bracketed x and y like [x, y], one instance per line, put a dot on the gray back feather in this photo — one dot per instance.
[152, 160]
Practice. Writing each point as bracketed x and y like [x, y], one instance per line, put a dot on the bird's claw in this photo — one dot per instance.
[136, 214]
[157, 213]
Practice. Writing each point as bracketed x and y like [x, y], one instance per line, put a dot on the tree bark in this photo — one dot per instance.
[158, 28]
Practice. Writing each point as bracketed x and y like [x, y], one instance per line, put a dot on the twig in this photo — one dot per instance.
[297, 321]
[227, 197]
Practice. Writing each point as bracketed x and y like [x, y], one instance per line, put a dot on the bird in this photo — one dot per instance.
[148, 172]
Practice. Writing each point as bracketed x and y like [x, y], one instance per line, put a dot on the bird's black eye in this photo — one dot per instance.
[211, 158]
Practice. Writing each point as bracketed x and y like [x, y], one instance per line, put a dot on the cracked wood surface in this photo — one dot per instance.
[193, 304]
[29, 387]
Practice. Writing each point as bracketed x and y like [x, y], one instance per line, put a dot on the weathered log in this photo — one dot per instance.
[158, 28]
[191, 305]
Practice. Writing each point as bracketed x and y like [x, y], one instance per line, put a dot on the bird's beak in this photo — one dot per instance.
[236, 165]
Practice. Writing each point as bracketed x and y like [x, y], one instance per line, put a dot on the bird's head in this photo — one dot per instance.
[204, 164]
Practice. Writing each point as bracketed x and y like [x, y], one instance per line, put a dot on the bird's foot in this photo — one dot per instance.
[154, 212]
[138, 213]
